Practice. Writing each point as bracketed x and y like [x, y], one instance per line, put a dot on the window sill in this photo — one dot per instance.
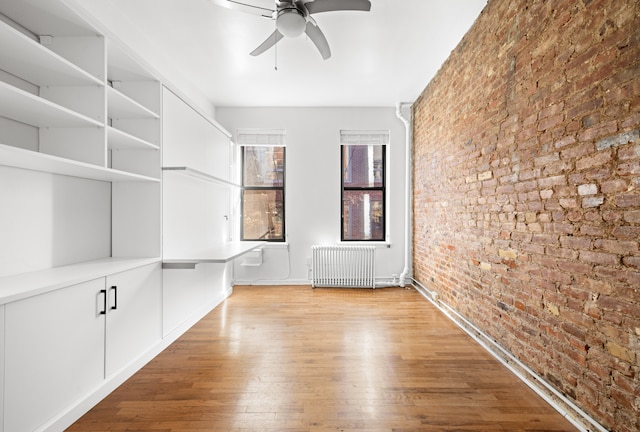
[378, 244]
[275, 245]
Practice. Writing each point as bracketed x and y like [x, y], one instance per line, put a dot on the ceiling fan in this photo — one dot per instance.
[293, 18]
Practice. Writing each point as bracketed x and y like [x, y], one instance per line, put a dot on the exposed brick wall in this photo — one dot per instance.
[527, 192]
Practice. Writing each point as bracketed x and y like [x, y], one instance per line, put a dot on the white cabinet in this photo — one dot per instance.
[61, 345]
[80, 145]
[54, 353]
[134, 315]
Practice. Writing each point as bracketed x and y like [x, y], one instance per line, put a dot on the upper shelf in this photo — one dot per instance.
[33, 110]
[120, 140]
[200, 175]
[26, 58]
[121, 106]
[31, 160]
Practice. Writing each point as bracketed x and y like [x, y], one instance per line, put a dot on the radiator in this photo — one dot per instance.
[343, 266]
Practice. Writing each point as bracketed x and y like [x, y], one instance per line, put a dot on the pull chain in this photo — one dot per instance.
[275, 36]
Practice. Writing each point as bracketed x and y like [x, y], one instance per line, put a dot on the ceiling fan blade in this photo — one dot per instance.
[245, 7]
[271, 41]
[317, 6]
[318, 39]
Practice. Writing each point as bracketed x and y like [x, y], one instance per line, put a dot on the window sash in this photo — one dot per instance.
[370, 208]
[275, 220]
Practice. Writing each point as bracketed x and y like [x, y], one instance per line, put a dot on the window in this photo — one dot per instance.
[363, 185]
[263, 178]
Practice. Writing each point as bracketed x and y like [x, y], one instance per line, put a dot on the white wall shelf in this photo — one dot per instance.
[120, 140]
[33, 62]
[17, 287]
[27, 159]
[33, 110]
[121, 106]
[200, 175]
[215, 255]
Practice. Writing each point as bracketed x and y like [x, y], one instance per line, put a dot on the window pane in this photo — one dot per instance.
[263, 214]
[363, 215]
[263, 166]
[362, 165]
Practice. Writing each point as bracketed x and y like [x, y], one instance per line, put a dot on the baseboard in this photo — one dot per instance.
[286, 282]
[552, 396]
[81, 407]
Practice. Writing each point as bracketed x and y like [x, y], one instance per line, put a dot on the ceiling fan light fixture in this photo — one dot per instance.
[291, 22]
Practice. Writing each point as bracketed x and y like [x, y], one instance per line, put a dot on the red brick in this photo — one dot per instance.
[598, 159]
[598, 131]
[613, 186]
[599, 258]
[616, 246]
[628, 200]
[565, 116]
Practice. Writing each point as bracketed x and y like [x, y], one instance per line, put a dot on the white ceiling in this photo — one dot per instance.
[379, 58]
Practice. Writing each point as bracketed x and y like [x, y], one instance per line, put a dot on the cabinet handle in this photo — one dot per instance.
[104, 305]
[115, 297]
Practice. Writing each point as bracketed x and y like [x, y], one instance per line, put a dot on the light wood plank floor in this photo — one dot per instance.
[299, 359]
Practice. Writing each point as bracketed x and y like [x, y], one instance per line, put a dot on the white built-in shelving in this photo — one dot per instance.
[120, 140]
[121, 106]
[18, 158]
[192, 172]
[24, 57]
[24, 107]
[80, 169]
[60, 115]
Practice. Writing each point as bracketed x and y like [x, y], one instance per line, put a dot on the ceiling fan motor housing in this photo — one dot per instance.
[291, 22]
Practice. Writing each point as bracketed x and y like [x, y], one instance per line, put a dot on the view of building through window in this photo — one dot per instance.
[363, 195]
[263, 173]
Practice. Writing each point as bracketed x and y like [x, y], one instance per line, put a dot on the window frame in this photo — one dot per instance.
[244, 188]
[382, 189]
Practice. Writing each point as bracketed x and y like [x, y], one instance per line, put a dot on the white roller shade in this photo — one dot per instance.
[354, 137]
[261, 137]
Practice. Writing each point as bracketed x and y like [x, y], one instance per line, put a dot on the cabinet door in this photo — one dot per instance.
[134, 321]
[54, 353]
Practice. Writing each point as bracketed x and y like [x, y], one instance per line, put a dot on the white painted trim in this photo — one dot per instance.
[553, 397]
[266, 282]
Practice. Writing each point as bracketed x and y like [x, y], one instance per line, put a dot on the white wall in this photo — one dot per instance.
[312, 197]
[50, 220]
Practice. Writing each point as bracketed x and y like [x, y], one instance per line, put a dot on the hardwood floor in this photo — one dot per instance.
[301, 359]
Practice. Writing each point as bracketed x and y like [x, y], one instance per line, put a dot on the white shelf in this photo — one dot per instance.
[217, 254]
[200, 175]
[13, 288]
[118, 139]
[121, 106]
[27, 159]
[33, 110]
[31, 61]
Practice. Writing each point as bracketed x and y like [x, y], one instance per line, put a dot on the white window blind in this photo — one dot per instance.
[260, 137]
[353, 137]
